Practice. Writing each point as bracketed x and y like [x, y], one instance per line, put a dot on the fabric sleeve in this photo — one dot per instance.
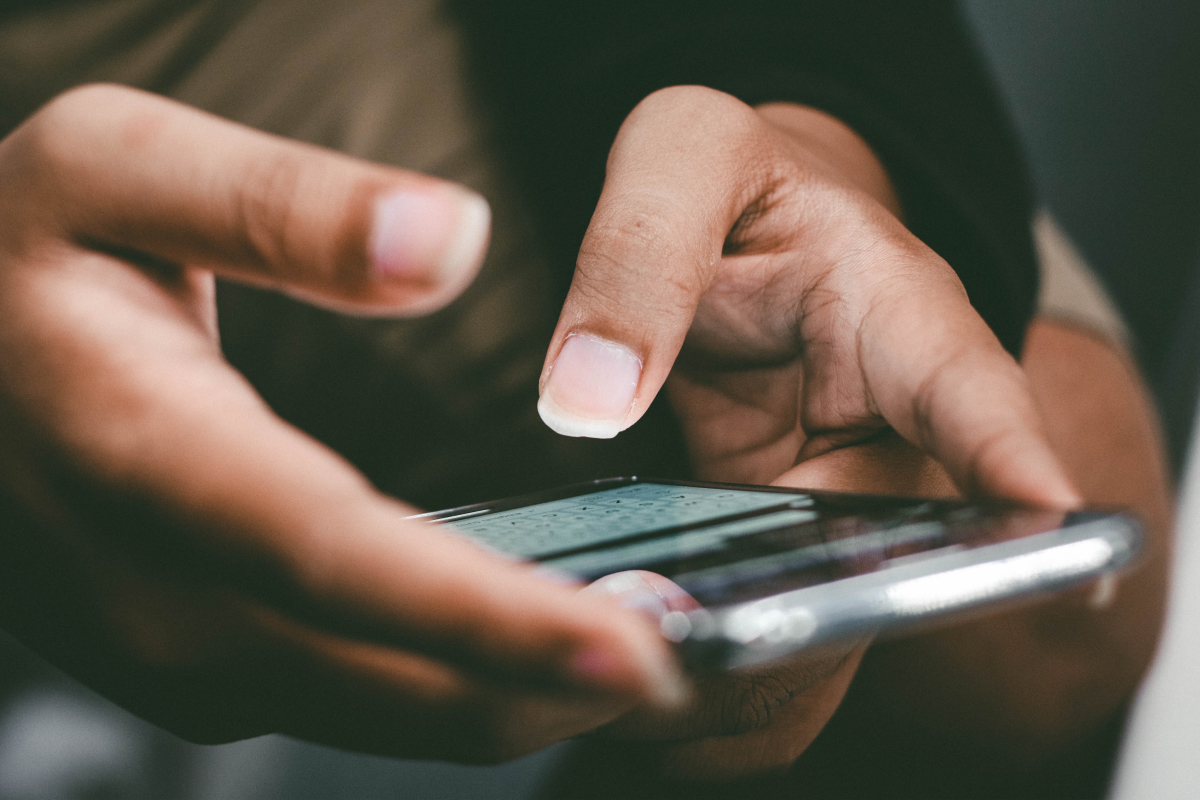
[560, 78]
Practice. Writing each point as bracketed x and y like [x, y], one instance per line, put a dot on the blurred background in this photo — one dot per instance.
[1106, 95]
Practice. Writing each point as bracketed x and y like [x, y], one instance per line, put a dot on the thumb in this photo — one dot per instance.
[679, 176]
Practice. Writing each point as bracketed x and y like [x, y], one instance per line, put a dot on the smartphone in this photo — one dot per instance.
[779, 570]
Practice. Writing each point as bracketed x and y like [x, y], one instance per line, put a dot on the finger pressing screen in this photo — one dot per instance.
[684, 166]
[942, 380]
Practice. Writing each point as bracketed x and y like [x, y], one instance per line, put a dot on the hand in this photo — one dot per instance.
[755, 263]
[758, 259]
[172, 543]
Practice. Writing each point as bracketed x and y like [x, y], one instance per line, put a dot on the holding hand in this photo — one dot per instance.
[757, 258]
[172, 543]
[754, 262]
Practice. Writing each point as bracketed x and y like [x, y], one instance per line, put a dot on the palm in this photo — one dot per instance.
[739, 387]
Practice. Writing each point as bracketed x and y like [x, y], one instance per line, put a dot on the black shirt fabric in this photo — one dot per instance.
[562, 77]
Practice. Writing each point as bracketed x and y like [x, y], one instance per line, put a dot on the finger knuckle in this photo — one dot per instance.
[712, 126]
[946, 383]
[63, 134]
[65, 113]
[996, 448]
[275, 211]
[688, 95]
[88, 97]
[636, 226]
[635, 243]
[712, 104]
[264, 205]
[924, 401]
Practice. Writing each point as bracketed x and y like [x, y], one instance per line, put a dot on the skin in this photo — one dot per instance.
[748, 245]
[1030, 683]
[811, 329]
[1024, 685]
[172, 543]
[195, 559]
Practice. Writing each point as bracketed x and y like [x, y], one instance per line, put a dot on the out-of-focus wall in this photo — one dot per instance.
[1106, 94]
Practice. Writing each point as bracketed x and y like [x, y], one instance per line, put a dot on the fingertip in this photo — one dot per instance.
[1049, 485]
[626, 655]
[590, 388]
[565, 423]
[669, 689]
[433, 235]
[1067, 497]
[469, 246]
[1033, 476]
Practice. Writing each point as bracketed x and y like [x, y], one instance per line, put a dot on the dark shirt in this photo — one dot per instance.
[441, 411]
[562, 77]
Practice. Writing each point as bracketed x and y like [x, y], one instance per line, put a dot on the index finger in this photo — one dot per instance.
[679, 175]
[941, 378]
[123, 171]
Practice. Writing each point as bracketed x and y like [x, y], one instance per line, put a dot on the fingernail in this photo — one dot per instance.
[633, 592]
[668, 687]
[591, 387]
[429, 235]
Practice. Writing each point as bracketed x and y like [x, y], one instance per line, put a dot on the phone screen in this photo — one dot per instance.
[726, 544]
